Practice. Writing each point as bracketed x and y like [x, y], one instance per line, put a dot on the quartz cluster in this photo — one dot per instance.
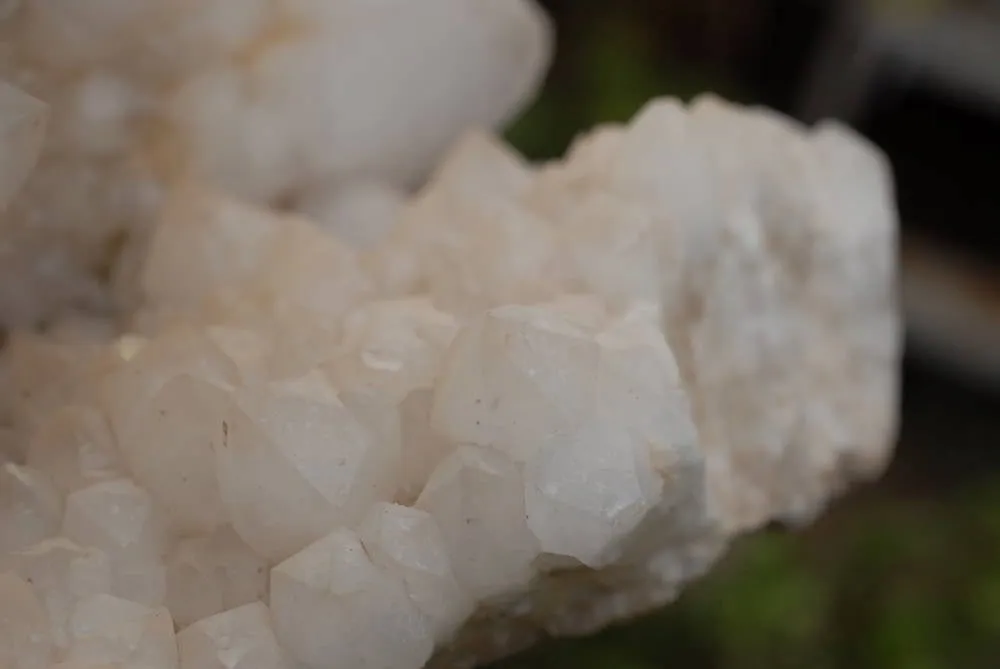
[333, 107]
[543, 401]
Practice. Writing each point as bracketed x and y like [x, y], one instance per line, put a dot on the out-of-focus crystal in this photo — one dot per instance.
[61, 574]
[120, 519]
[109, 630]
[25, 637]
[76, 448]
[30, 507]
[208, 575]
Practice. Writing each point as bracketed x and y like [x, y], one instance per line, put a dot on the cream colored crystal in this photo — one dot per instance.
[62, 574]
[407, 541]
[76, 448]
[240, 638]
[332, 606]
[213, 91]
[547, 400]
[30, 507]
[22, 131]
[108, 630]
[25, 637]
[294, 462]
[476, 496]
[120, 519]
[211, 574]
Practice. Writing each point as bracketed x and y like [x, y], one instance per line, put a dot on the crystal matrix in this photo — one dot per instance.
[544, 401]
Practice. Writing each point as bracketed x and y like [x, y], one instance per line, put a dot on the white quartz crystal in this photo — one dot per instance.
[240, 638]
[545, 400]
[408, 542]
[25, 635]
[61, 574]
[120, 519]
[333, 607]
[476, 496]
[30, 507]
[207, 575]
[294, 462]
[105, 630]
[143, 96]
[22, 131]
[76, 448]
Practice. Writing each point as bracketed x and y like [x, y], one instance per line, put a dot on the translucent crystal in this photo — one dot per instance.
[393, 349]
[30, 507]
[22, 130]
[220, 242]
[476, 496]
[361, 214]
[76, 448]
[119, 518]
[332, 606]
[167, 406]
[407, 541]
[208, 575]
[61, 574]
[109, 630]
[240, 638]
[294, 463]
[25, 641]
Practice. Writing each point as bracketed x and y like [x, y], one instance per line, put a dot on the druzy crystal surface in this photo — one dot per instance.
[544, 400]
[310, 420]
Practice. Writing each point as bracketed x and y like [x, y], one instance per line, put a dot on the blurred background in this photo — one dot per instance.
[904, 573]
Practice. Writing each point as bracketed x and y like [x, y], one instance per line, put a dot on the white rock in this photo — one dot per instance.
[239, 638]
[208, 575]
[30, 507]
[62, 574]
[332, 607]
[407, 541]
[25, 641]
[119, 518]
[108, 630]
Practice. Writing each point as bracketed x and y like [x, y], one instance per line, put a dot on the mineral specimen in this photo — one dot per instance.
[544, 401]
[146, 93]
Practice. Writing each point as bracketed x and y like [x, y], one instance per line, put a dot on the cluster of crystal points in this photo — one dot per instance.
[544, 401]
[326, 106]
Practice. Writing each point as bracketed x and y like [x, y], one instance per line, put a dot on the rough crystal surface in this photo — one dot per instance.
[544, 400]
[212, 91]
